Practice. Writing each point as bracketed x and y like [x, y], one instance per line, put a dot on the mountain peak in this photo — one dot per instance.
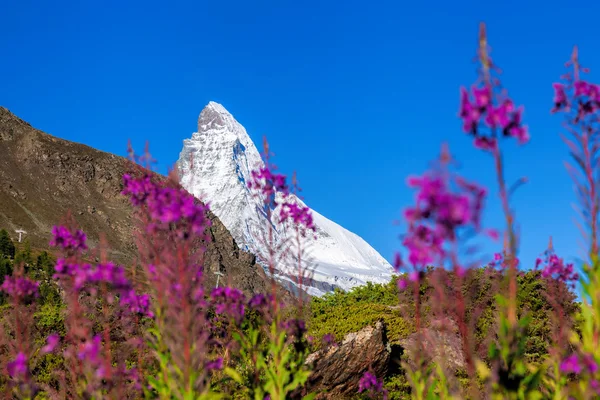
[216, 164]
[215, 116]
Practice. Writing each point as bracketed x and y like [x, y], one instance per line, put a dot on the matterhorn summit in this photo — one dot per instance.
[215, 165]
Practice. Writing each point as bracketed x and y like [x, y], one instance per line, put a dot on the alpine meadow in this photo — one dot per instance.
[218, 280]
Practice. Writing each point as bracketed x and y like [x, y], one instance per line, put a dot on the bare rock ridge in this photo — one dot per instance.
[42, 177]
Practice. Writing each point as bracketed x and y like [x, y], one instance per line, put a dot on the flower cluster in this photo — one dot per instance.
[295, 327]
[577, 364]
[216, 364]
[500, 262]
[262, 304]
[18, 368]
[268, 182]
[276, 191]
[585, 95]
[20, 288]
[555, 267]
[413, 276]
[52, 342]
[90, 350]
[84, 275]
[166, 205]
[440, 212]
[487, 108]
[371, 385]
[68, 240]
[230, 302]
[300, 216]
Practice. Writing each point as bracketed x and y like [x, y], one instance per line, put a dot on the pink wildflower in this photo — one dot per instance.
[18, 367]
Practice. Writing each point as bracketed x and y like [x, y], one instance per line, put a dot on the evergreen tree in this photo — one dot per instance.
[24, 256]
[7, 247]
[45, 263]
[5, 268]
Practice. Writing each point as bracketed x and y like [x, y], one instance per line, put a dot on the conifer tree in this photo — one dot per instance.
[7, 247]
[24, 256]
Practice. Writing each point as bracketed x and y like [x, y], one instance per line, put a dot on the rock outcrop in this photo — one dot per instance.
[338, 369]
[441, 343]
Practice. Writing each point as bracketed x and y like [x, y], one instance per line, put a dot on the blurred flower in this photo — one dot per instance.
[229, 301]
[68, 240]
[90, 350]
[216, 364]
[372, 385]
[18, 367]
[571, 365]
[23, 289]
[51, 343]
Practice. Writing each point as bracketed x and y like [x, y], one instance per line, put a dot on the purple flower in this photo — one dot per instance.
[499, 116]
[402, 284]
[68, 240]
[257, 301]
[483, 97]
[295, 327]
[372, 385]
[571, 365]
[298, 214]
[504, 117]
[555, 268]
[485, 143]
[398, 263]
[590, 363]
[367, 382]
[216, 364]
[328, 339]
[261, 303]
[470, 113]
[167, 205]
[18, 367]
[595, 385]
[560, 97]
[442, 207]
[137, 304]
[268, 182]
[20, 288]
[414, 276]
[51, 342]
[108, 273]
[423, 244]
[90, 350]
[460, 271]
[229, 301]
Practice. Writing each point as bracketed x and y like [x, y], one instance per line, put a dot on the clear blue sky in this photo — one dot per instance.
[353, 95]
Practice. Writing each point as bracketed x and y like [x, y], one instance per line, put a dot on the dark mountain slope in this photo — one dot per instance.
[42, 177]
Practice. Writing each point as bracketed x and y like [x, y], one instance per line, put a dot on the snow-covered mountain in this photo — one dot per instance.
[215, 166]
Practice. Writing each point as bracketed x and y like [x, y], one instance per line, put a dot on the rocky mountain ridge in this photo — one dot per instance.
[42, 177]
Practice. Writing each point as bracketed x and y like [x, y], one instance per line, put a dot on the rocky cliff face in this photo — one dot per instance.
[42, 177]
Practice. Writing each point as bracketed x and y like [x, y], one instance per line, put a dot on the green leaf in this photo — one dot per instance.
[233, 374]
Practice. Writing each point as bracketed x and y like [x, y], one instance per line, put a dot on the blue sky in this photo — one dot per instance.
[354, 96]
